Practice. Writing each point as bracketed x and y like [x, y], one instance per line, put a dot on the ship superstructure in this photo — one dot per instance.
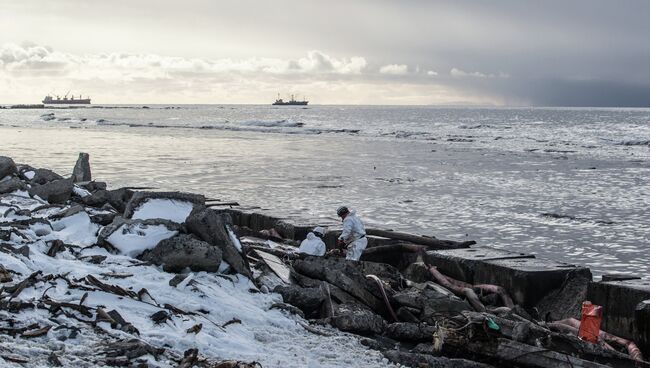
[293, 101]
[50, 100]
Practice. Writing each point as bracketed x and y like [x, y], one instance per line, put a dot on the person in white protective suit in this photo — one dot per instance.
[313, 244]
[354, 234]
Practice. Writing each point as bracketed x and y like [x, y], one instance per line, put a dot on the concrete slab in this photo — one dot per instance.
[619, 300]
[527, 280]
[642, 326]
[461, 263]
[618, 277]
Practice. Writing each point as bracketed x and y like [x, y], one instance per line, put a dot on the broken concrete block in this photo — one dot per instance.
[527, 280]
[461, 263]
[566, 301]
[642, 326]
[309, 300]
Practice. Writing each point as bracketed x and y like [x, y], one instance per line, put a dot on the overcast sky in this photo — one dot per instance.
[543, 53]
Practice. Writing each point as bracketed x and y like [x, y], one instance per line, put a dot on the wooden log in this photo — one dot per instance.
[222, 204]
[571, 344]
[417, 239]
[524, 355]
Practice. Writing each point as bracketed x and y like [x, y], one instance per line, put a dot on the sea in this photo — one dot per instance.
[566, 184]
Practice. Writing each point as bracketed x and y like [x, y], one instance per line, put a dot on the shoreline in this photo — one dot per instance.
[84, 223]
[450, 192]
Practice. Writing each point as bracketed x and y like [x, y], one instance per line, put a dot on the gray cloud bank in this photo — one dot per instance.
[511, 52]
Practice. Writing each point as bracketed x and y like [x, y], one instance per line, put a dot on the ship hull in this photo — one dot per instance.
[294, 103]
[67, 102]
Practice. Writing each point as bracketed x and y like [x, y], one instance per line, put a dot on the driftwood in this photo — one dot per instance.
[222, 204]
[189, 359]
[423, 240]
[394, 248]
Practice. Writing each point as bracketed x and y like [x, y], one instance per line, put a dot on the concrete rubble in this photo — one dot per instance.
[419, 301]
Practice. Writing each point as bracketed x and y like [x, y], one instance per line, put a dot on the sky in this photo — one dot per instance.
[509, 52]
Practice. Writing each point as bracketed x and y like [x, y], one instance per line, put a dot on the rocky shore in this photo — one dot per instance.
[129, 277]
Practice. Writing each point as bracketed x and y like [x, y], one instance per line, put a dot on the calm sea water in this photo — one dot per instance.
[567, 184]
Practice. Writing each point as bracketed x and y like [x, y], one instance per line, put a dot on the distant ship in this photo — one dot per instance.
[293, 101]
[66, 101]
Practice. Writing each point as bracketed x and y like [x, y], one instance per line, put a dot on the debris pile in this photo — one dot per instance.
[92, 276]
[125, 277]
[430, 302]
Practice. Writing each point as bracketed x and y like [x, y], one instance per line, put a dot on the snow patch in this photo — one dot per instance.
[234, 239]
[160, 208]
[29, 174]
[81, 192]
[133, 239]
[77, 229]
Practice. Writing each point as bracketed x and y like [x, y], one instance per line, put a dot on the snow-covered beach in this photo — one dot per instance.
[67, 301]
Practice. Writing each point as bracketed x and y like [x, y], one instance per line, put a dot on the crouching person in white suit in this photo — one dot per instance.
[353, 235]
[313, 244]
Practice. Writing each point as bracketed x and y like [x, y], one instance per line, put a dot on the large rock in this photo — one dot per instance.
[357, 319]
[174, 206]
[57, 191]
[81, 171]
[309, 300]
[357, 271]
[117, 198]
[346, 275]
[431, 303]
[11, 184]
[214, 228]
[184, 251]
[43, 176]
[7, 166]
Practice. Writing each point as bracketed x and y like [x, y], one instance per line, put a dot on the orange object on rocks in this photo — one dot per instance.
[592, 315]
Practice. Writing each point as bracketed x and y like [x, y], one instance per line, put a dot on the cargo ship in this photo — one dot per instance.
[293, 101]
[49, 100]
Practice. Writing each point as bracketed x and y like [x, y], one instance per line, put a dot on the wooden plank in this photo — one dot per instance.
[276, 265]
